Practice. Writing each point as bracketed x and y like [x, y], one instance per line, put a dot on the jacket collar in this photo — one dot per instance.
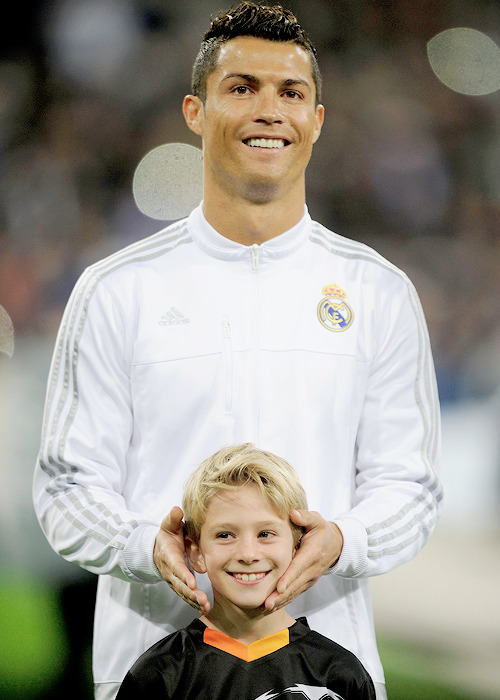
[216, 245]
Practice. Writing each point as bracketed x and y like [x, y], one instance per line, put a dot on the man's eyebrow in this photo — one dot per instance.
[242, 76]
[292, 82]
[287, 83]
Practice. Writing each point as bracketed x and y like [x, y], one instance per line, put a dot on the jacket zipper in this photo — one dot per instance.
[227, 357]
[255, 253]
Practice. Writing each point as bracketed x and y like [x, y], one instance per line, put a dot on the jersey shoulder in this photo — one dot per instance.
[326, 653]
[173, 647]
[352, 251]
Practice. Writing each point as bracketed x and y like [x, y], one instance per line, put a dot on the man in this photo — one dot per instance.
[285, 335]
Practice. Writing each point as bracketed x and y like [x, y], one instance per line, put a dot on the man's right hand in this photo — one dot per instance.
[169, 557]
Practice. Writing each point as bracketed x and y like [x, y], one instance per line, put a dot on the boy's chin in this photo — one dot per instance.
[256, 610]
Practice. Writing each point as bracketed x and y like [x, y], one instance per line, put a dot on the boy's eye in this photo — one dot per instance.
[266, 534]
[223, 535]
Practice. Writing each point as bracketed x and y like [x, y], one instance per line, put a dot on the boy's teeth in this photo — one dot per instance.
[249, 577]
[266, 143]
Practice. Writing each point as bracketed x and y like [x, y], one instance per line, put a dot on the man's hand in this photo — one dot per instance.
[169, 557]
[320, 548]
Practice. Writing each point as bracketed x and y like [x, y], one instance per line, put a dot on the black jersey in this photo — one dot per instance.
[197, 663]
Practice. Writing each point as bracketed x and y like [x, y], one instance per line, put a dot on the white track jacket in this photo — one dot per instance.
[310, 345]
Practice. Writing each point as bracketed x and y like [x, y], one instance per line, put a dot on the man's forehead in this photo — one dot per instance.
[247, 55]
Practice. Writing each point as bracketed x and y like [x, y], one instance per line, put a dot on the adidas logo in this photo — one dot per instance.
[173, 317]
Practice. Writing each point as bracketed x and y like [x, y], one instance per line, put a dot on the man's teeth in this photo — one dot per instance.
[266, 143]
[249, 577]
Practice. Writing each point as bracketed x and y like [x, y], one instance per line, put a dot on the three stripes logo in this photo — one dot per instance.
[173, 317]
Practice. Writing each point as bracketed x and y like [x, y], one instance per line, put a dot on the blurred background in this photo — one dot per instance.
[405, 164]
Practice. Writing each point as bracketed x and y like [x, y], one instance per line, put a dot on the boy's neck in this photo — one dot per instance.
[247, 626]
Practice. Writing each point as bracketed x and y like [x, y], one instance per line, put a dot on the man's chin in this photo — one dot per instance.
[262, 191]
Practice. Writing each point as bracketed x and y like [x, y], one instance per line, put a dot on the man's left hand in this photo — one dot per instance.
[320, 548]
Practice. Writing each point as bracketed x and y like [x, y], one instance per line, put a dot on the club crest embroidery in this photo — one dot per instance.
[334, 312]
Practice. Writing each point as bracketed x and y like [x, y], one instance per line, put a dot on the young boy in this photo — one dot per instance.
[236, 509]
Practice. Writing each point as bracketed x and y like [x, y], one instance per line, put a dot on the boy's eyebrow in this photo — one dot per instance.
[247, 78]
[235, 524]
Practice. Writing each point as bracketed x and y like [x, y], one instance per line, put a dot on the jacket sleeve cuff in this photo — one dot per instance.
[353, 559]
[138, 555]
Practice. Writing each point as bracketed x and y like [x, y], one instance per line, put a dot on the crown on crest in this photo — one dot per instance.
[333, 290]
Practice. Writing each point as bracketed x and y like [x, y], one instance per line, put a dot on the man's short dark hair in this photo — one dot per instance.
[249, 19]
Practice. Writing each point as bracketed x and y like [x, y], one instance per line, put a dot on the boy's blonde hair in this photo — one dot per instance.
[233, 467]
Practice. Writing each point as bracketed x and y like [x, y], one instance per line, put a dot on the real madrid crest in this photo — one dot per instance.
[334, 312]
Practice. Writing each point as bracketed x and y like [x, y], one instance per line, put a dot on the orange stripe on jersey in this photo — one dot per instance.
[249, 652]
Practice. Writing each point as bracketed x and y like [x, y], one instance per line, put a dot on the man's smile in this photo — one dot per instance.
[266, 143]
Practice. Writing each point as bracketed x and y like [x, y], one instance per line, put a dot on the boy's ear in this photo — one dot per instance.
[195, 557]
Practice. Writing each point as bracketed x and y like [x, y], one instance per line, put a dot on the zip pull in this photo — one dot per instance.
[226, 328]
[255, 248]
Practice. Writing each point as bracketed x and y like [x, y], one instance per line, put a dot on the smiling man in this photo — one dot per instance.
[259, 120]
[293, 338]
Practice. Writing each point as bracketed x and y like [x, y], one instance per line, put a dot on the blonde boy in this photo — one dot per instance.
[237, 507]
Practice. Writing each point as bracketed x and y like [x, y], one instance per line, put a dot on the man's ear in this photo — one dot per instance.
[318, 123]
[195, 557]
[192, 109]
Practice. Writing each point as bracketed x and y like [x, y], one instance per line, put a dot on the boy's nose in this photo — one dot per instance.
[249, 550]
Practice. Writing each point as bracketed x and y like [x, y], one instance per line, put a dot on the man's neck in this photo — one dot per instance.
[247, 222]
[247, 626]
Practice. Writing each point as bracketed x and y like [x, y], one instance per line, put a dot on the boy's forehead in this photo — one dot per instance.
[252, 55]
[242, 502]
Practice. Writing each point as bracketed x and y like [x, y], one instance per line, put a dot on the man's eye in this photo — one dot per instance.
[292, 94]
[241, 89]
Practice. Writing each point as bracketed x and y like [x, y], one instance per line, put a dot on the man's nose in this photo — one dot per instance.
[268, 108]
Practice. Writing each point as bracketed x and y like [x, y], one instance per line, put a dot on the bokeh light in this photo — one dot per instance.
[465, 60]
[168, 182]
[6, 333]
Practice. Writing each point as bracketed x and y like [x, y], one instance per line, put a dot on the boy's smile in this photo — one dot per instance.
[249, 577]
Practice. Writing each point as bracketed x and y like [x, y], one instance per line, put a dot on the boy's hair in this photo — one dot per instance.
[236, 466]
[249, 19]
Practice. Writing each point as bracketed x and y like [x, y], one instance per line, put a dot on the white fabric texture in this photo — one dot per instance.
[310, 345]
